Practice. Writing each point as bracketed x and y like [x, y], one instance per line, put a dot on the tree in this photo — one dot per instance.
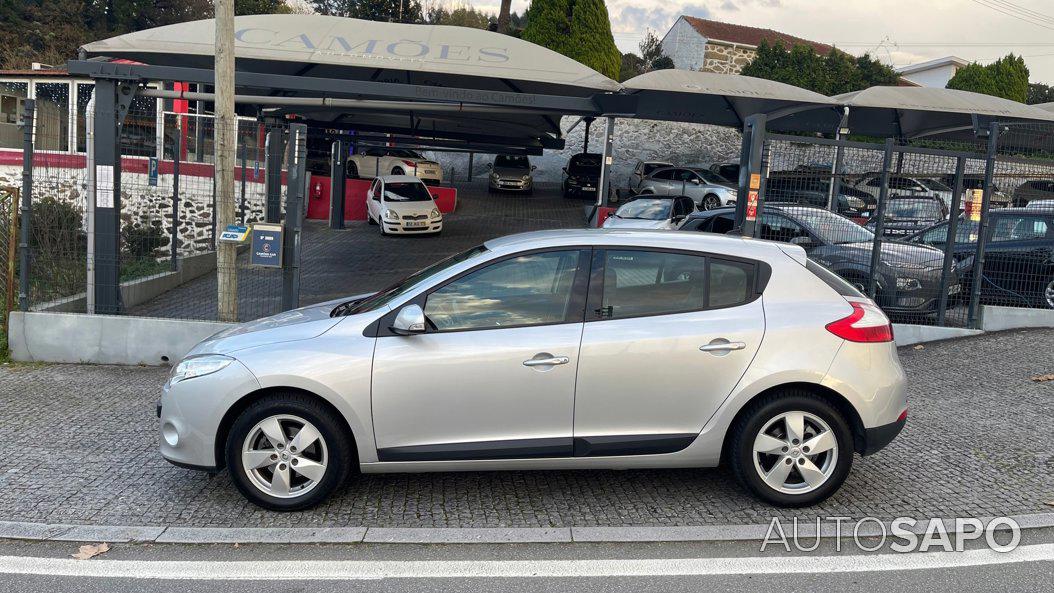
[1040, 93]
[1007, 77]
[578, 29]
[503, 16]
[462, 16]
[632, 65]
[261, 7]
[831, 74]
[398, 11]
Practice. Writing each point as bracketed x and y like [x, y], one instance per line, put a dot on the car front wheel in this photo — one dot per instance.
[792, 449]
[286, 452]
[711, 201]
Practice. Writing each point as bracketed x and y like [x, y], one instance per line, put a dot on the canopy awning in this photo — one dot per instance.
[337, 47]
[728, 99]
[919, 112]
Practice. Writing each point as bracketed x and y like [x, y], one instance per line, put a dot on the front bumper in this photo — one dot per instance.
[511, 184]
[190, 413]
[876, 439]
[401, 228]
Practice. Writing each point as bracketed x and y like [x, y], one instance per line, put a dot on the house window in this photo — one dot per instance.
[52, 116]
[11, 96]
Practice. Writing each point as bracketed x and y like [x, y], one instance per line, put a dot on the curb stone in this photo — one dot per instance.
[443, 535]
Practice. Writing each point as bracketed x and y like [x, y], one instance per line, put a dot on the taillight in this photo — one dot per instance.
[867, 323]
[410, 164]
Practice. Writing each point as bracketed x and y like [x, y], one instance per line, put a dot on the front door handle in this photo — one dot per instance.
[722, 346]
[550, 361]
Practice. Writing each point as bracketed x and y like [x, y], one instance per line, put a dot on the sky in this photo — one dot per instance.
[897, 32]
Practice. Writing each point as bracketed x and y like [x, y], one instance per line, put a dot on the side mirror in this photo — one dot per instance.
[534, 167]
[803, 241]
[678, 218]
[490, 166]
[564, 170]
[409, 321]
[694, 181]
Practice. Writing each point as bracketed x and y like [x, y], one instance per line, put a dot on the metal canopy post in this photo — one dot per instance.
[949, 243]
[585, 135]
[605, 162]
[337, 185]
[880, 221]
[178, 150]
[273, 150]
[973, 317]
[26, 206]
[750, 197]
[294, 216]
[112, 99]
[835, 184]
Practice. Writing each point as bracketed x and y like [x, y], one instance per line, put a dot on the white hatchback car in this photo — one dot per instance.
[402, 205]
[575, 349]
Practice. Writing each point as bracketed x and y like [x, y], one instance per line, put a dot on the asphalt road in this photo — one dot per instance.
[715, 566]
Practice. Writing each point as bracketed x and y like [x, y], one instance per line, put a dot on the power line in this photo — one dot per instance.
[1017, 16]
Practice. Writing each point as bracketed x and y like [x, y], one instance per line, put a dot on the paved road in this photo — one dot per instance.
[79, 446]
[718, 566]
[357, 260]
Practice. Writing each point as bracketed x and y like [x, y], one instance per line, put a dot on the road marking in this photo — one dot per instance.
[367, 569]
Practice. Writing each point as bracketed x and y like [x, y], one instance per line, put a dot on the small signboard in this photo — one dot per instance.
[266, 250]
[152, 170]
[752, 204]
[234, 234]
[755, 181]
[973, 205]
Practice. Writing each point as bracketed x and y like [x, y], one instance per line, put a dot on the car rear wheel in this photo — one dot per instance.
[1048, 294]
[711, 201]
[792, 449]
[353, 171]
[398, 171]
[286, 452]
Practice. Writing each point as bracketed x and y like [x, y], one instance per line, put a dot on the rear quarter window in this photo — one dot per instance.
[836, 282]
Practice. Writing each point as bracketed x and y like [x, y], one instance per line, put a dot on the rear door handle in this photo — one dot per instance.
[722, 346]
[551, 361]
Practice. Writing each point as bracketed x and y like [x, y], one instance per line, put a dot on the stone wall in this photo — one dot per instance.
[144, 204]
[726, 58]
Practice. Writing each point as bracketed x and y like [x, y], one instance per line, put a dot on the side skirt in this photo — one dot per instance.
[594, 446]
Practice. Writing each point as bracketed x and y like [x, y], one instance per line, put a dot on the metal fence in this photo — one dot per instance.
[168, 207]
[875, 213]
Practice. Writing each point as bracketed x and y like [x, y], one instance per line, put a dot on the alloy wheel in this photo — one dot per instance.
[795, 452]
[1048, 294]
[710, 202]
[284, 456]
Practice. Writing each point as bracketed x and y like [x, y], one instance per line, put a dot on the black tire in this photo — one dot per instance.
[398, 171]
[333, 432]
[369, 219]
[746, 429]
[353, 171]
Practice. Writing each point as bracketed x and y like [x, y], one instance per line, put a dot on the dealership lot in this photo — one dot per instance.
[973, 446]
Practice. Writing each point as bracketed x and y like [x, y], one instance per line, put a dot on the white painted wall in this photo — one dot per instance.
[685, 46]
[936, 77]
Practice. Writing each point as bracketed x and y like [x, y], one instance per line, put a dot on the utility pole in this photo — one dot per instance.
[226, 136]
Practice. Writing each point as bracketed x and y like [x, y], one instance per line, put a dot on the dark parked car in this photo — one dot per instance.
[1036, 189]
[582, 174]
[906, 215]
[908, 275]
[1019, 256]
[810, 189]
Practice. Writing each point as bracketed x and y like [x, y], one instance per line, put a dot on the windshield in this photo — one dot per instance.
[403, 153]
[934, 185]
[406, 191]
[830, 227]
[645, 209]
[511, 162]
[914, 209]
[584, 164]
[401, 287]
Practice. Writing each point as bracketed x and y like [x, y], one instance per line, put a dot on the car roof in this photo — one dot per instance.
[400, 179]
[706, 242]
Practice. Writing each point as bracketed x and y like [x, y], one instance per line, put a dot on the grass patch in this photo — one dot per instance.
[140, 268]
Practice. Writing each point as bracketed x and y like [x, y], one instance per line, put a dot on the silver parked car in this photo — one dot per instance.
[708, 189]
[604, 349]
[511, 173]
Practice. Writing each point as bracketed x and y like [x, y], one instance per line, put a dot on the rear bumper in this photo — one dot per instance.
[876, 439]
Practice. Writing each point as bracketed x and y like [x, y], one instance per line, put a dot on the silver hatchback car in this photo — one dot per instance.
[553, 350]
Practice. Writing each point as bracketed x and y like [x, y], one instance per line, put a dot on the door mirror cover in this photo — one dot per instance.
[410, 320]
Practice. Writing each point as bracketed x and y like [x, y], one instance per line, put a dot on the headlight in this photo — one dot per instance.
[494, 176]
[391, 215]
[525, 178]
[199, 366]
[908, 284]
[572, 181]
[853, 202]
[434, 213]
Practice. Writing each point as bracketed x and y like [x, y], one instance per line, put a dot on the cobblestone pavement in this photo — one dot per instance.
[357, 260]
[79, 446]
